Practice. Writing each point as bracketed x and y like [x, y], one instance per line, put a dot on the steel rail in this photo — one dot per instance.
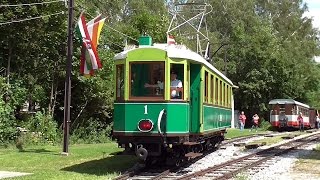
[137, 172]
[259, 155]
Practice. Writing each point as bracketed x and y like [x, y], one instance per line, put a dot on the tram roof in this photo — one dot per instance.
[287, 101]
[177, 51]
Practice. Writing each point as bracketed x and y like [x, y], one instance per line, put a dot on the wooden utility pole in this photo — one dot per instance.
[67, 95]
[8, 66]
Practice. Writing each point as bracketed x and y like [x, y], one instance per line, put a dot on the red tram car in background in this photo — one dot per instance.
[284, 114]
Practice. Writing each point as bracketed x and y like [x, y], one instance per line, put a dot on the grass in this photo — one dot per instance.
[233, 133]
[85, 161]
[275, 139]
[309, 165]
[268, 140]
[241, 176]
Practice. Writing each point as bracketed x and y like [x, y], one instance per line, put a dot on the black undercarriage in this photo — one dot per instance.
[170, 149]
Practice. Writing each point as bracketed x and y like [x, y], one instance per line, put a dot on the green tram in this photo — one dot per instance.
[156, 118]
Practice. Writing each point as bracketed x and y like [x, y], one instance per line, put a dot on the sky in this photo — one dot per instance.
[314, 12]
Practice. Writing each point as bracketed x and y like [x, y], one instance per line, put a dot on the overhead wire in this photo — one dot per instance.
[30, 4]
[38, 17]
[122, 33]
[116, 44]
[116, 30]
[32, 18]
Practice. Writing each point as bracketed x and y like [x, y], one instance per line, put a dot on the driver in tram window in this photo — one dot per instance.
[159, 85]
[175, 83]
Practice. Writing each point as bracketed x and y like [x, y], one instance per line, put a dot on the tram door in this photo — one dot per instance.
[195, 99]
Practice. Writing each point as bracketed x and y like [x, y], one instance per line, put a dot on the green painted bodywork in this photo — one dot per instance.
[128, 115]
[215, 117]
[195, 92]
[188, 116]
[147, 54]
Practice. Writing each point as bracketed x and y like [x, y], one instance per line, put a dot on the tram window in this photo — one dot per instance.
[221, 99]
[224, 95]
[176, 81]
[227, 95]
[281, 108]
[230, 96]
[216, 92]
[147, 80]
[293, 110]
[120, 82]
[305, 112]
[212, 88]
[206, 86]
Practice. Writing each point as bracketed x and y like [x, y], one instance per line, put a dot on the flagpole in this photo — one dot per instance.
[67, 95]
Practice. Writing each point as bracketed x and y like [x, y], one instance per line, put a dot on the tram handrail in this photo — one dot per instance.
[159, 121]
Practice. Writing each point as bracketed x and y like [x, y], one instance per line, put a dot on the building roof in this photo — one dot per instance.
[287, 101]
[177, 51]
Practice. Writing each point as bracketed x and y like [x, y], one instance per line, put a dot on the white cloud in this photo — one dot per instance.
[314, 12]
[312, 2]
[315, 15]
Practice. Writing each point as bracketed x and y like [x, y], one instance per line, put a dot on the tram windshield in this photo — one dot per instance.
[147, 80]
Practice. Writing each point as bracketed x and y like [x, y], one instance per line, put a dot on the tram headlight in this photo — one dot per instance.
[145, 125]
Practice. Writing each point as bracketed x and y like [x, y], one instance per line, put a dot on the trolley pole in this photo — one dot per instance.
[67, 95]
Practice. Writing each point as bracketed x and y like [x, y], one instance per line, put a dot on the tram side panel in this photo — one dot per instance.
[216, 103]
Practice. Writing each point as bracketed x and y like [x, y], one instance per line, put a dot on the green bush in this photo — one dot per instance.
[95, 132]
[42, 129]
[11, 96]
[265, 125]
[8, 131]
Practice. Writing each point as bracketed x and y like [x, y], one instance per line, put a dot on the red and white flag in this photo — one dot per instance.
[170, 40]
[89, 35]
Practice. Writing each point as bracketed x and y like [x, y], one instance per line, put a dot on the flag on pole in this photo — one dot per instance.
[170, 40]
[89, 34]
[94, 28]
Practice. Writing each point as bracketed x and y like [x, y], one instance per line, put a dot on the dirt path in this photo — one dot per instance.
[7, 174]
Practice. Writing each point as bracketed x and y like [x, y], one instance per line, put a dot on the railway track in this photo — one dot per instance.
[144, 173]
[251, 162]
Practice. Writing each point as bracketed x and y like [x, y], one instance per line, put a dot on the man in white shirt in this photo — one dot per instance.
[174, 81]
[175, 84]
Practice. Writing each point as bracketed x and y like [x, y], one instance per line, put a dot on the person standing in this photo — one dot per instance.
[242, 120]
[255, 122]
[317, 121]
[174, 81]
[300, 121]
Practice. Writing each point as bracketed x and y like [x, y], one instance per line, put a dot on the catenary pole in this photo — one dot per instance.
[67, 95]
